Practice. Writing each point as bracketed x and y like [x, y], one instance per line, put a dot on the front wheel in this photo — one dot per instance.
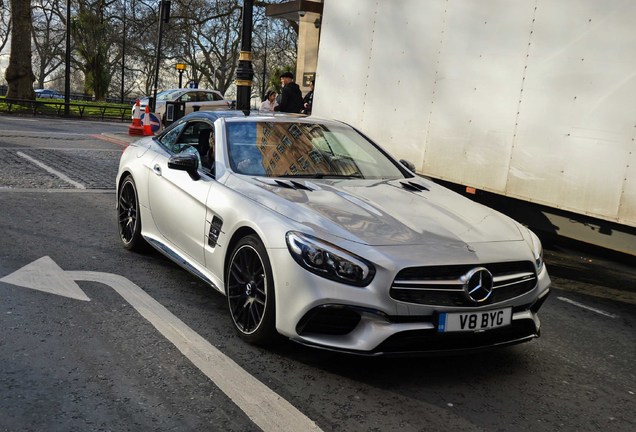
[250, 292]
[129, 218]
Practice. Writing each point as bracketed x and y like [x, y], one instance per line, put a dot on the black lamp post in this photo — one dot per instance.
[164, 16]
[67, 66]
[245, 71]
[123, 52]
[181, 67]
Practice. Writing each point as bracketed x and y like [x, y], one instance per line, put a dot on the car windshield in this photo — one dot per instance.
[168, 95]
[303, 149]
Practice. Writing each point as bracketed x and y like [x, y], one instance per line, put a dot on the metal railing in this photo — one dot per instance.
[56, 107]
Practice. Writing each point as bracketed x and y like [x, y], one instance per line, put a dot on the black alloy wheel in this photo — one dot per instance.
[129, 219]
[250, 292]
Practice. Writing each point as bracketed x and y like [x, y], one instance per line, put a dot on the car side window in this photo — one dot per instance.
[194, 138]
[217, 97]
[169, 140]
[188, 97]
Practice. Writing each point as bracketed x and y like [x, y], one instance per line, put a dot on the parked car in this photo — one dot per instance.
[206, 100]
[315, 233]
[48, 94]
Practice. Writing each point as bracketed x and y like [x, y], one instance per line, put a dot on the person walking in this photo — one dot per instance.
[308, 101]
[291, 98]
[269, 103]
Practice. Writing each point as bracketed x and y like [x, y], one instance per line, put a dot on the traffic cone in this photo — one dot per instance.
[135, 127]
[147, 127]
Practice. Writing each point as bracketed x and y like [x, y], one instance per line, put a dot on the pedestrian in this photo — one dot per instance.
[291, 98]
[269, 103]
[308, 100]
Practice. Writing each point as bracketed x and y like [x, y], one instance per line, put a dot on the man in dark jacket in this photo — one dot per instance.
[291, 98]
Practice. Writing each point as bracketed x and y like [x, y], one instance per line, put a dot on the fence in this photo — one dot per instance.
[55, 107]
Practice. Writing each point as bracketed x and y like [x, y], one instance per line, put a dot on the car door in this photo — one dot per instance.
[177, 202]
[213, 101]
[190, 99]
[205, 101]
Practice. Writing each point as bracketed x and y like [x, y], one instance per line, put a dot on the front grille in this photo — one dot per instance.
[443, 285]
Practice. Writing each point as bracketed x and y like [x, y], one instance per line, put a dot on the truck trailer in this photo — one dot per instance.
[527, 104]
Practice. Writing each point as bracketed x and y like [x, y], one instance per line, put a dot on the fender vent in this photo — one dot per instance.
[215, 231]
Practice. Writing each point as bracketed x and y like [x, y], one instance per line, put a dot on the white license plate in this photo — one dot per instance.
[474, 321]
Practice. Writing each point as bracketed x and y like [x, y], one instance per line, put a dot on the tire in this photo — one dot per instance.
[249, 288]
[129, 216]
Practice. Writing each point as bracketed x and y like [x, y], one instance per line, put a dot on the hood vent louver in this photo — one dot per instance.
[292, 185]
[413, 187]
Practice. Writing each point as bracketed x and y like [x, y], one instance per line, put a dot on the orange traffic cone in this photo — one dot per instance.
[147, 127]
[135, 127]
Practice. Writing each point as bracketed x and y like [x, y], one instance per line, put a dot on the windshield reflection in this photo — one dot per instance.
[302, 149]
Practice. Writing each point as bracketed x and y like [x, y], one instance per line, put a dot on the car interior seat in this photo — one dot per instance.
[204, 146]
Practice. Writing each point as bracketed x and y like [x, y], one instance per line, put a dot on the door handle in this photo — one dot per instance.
[157, 170]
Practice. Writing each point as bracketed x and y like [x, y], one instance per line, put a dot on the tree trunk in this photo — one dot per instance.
[19, 74]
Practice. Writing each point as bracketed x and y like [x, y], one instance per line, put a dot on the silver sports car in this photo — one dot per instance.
[315, 233]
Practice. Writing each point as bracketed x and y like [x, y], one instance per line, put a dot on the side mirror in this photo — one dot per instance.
[188, 162]
[409, 165]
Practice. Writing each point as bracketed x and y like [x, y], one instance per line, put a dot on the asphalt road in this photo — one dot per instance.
[98, 365]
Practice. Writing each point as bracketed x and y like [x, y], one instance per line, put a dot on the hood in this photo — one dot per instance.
[381, 213]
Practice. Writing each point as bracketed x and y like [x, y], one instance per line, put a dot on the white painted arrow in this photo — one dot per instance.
[262, 405]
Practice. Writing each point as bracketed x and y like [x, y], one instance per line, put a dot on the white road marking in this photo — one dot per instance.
[52, 171]
[264, 407]
[45, 275]
[598, 311]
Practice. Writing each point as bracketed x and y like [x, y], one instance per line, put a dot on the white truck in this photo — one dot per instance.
[534, 100]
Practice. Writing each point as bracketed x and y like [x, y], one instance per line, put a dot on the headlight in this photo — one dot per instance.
[537, 251]
[329, 261]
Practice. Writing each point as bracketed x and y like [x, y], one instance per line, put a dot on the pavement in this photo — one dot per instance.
[597, 273]
[119, 138]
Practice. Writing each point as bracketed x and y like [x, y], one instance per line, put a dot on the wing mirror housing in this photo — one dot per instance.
[188, 162]
[408, 164]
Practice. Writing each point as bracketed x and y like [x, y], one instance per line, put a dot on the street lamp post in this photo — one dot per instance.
[245, 71]
[164, 16]
[67, 65]
[123, 52]
[181, 67]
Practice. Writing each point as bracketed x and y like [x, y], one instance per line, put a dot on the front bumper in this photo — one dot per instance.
[324, 314]
[334, 327]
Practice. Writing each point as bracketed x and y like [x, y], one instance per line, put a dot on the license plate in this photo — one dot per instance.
[474, 321]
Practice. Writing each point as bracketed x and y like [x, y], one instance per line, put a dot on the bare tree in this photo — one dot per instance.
[19, 74]
[274, 47]
[5, 23]
[204, 34]
[49, 34]
[211, 47]
[93, 35]
[142, 23]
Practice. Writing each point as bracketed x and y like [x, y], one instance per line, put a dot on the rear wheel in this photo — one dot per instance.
[250, 292]
[129, 218]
